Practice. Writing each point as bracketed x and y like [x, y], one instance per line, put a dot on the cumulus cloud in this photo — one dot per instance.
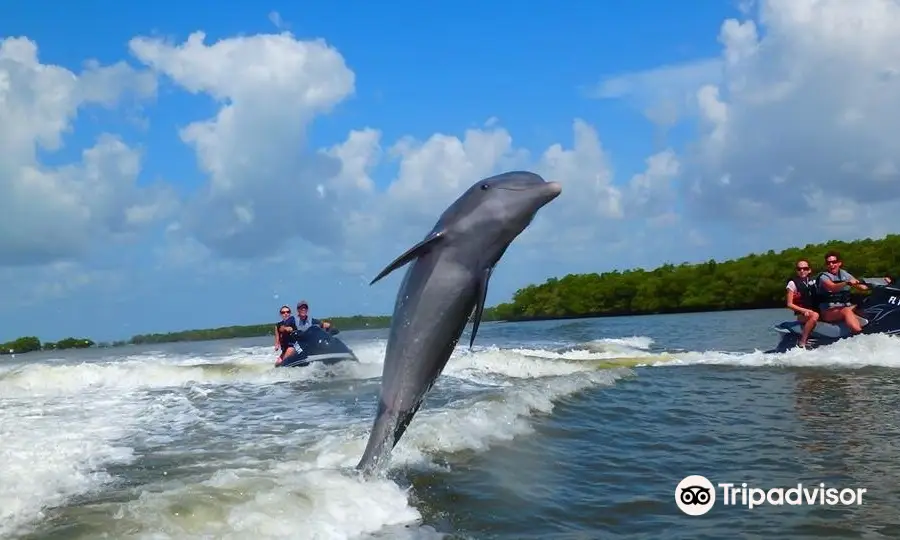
[49, 214]
[261, 175]
[793, 121]
[665, 94]
[594, 214]
[260, 168]
[810, 107]
[796, 117]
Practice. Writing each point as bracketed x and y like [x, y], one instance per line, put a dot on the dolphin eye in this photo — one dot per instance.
[485, 186]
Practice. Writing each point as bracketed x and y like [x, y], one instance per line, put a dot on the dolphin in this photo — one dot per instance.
[444, 285]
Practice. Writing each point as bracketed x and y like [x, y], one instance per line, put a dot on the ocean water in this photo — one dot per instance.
[531, 435]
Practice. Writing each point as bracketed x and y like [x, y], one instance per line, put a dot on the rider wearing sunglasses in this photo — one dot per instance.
[801, 299]
[834, 289]
[283, 330]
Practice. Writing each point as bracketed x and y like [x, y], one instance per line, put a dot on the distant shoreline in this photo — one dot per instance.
[752, 282]
[28, 344]
[604, 315]
[358, 322]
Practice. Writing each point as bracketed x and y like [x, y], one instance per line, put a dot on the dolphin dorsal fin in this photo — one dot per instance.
[412, 253]
[479, 305]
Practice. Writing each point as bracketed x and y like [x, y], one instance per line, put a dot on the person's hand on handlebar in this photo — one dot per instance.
[857, 283]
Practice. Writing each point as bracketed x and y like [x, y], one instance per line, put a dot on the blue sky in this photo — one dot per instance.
[144, 249]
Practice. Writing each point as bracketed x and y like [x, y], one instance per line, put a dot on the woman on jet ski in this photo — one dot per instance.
[801, 291]
[283, 330]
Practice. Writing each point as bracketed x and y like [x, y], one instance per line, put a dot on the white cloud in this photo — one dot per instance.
[800, 126]
[433, 173]
[53, 213]
[55, 281]
[666, 93]
[255, 154]
[256, 157]
[260, 177]
[795, 120]
[652, 192]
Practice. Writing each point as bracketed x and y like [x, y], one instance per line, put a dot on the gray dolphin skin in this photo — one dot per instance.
[447, 280]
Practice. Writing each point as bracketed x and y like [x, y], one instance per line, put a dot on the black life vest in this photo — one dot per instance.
[842, 297]
[807, 292]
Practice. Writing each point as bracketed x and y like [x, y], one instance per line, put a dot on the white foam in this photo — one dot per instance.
[285, 500]
[304, 494]
[149, 370]
[476, 424]
[63, 425]
[632, 342]
[874, 350]
[497, 365]
[55, 449]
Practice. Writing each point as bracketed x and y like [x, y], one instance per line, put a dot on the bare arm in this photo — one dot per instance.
[836, 286]
[789, 301]
[853, 282]
[832, 286]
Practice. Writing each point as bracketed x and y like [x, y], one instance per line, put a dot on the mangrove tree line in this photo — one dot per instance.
[750, 282]
[32, 343]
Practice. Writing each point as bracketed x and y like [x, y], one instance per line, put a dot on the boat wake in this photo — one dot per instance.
[174, 446]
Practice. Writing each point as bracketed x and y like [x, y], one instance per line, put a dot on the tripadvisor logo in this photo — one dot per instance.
[695, 495]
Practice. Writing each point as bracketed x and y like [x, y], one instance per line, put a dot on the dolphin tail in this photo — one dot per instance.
[412, 253]
[388, 428]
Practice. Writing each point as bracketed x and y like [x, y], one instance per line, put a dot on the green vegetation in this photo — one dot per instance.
[32, 343]
[751, 282]
[356, 322]
[21, 345]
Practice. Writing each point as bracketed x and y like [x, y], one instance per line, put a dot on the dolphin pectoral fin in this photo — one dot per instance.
[479, 306]
[416, 251]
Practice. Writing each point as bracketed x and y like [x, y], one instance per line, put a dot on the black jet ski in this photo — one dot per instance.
[878, 313]
[318, 345]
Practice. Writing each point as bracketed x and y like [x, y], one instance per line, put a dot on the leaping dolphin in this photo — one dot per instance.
[447, 280]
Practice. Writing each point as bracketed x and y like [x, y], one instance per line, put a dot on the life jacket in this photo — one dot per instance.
[304, 326]
[806, 295]
[284, 337]
[832, 299]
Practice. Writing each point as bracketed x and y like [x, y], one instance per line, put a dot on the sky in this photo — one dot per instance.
[179, 165]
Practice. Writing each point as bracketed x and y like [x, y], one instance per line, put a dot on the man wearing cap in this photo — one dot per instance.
[304, 321]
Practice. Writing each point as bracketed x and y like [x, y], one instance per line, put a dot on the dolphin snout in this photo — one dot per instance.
[549, 191]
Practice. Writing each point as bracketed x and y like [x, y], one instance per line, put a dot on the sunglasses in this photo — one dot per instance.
[285, 312]
[832, 261]
[802, 268]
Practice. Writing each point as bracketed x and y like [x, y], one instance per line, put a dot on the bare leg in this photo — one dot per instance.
[843, 314]
[809, 323]
[851, 319]
[287, 352]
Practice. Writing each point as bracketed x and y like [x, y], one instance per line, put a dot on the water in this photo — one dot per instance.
[530, 436]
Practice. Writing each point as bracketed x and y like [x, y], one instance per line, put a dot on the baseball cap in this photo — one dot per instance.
[302, 303]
